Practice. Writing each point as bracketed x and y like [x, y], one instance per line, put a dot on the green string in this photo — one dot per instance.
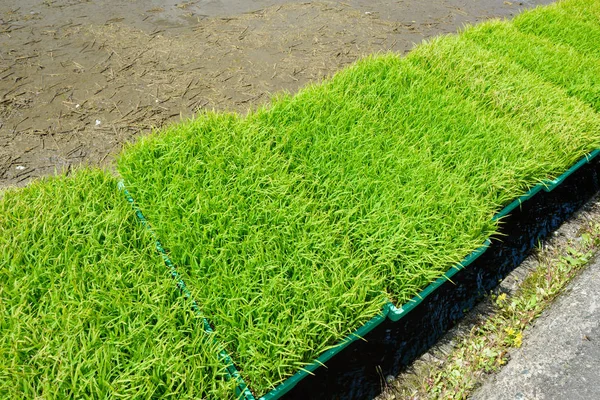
[232, 371]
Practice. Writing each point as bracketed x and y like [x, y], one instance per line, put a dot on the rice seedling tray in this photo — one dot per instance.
[300, 225]
[358, 366]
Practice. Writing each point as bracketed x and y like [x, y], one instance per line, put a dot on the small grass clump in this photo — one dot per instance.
[294, 224]
[87, 310]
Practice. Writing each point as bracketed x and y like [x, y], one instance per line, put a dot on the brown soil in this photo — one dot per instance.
[78, 79]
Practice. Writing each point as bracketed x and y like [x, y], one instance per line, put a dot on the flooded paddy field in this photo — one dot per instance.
[78, 79]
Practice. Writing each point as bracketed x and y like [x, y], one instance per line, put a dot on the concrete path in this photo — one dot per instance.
[560, 356]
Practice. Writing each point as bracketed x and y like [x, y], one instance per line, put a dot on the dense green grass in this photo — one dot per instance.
[544, 123]
[575, 23]
[295, 223]
[556, 63]
[292, 226]
[87, 310]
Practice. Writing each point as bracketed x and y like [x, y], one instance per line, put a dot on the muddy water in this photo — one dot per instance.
[148, 14]
[80, 78]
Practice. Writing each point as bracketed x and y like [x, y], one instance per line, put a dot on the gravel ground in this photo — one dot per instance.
[560, 356]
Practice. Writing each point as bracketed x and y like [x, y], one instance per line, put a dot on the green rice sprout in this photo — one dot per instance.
[574, 23]
[294, 224]
[86, 308]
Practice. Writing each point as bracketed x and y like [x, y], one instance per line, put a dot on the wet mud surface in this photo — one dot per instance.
[78, 79]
